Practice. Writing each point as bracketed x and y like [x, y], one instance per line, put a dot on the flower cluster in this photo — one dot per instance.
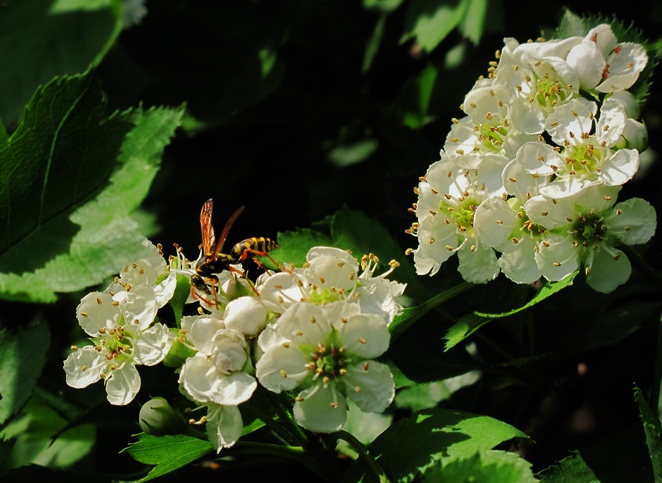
[314, 330]
[528, 180]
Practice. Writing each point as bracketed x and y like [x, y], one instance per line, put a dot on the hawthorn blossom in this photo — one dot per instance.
[539, 77]
[487, 127]
[153, 270]
[588, 156]
[124, 335]
[585, 229]
[327, 355]
[448, 197]
[604, 65]
[332, 275]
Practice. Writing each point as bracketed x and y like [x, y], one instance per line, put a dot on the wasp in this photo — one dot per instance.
[214, 261]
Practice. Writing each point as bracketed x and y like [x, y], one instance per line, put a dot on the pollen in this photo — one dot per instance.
[283, 373]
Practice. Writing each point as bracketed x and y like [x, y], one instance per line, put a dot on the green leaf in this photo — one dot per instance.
[413, 445]
[41, 435]
[484, 466]
[470, 323]
[38, 42]
[430, 21]
[82, 172]
[294, 245]
[473, 22]
[653, 432]
[411, 108]
[423, 396]
[22, 357]
[372, 46]
[620, 457]
[168, 453]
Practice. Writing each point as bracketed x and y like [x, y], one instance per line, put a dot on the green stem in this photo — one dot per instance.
[364, 454]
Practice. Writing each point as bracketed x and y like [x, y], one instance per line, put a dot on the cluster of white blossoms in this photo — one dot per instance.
[315, 330]
[528, 180]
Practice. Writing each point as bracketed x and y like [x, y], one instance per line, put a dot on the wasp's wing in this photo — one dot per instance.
[208, 238]
[226, 230]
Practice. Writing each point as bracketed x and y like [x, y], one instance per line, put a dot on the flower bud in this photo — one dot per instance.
[245, 314]
[158, 417]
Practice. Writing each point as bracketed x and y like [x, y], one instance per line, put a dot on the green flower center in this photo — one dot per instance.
[328, 359]
[493, 136]
[462, 214]
[115, 342]
[322, 296]
[588, 230]
[583, 159]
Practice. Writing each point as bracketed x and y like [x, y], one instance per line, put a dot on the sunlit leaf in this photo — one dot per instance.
[168, 453]
[411, 446]
[82, 172]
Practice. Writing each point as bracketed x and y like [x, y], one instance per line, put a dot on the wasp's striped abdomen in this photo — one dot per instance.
[252, 247]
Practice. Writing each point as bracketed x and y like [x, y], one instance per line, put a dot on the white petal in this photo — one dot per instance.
[620, 167]
[539, 159]
[204, 383]
[557, 257]
[365, 335]
[153, 345]
[140, 307]
[282, 368]
[517, 261]
[370, 385]
[322, 410]
[611, 122]
[478, 262]
[434, 236]
[571, 121]
[122, 385]
[84, 367]
[96, 311]
[589, 62]
[625, 65]
[494, 222]
[224, 425]
[633, 221]
[166, 289]
[607, 273]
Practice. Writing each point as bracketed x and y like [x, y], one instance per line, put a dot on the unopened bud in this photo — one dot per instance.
[158, 417]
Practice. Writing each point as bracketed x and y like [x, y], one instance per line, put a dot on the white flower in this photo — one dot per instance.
[584, 230]
[540, 79]
[220, 370]
[487, 128]
[332, 275]
[603, 64]
[449, 195]
[120, 325]
[151, 269]
[587, 157]
[327, 354]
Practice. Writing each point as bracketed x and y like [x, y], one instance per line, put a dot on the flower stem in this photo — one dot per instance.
[364, 454]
